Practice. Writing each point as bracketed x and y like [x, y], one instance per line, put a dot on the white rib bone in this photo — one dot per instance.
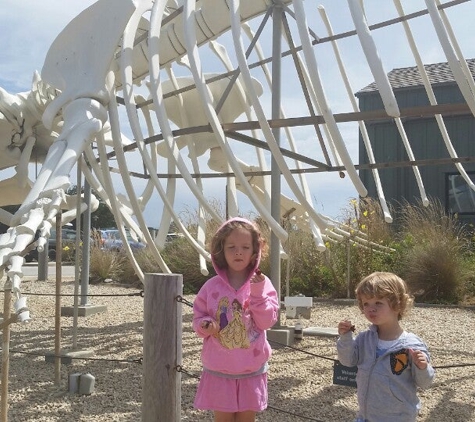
[204, 92]
[432, 98]
[362, 126]
[374, 61]
[326, 111]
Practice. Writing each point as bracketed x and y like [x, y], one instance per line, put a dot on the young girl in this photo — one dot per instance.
[231, 313]
[391, 362]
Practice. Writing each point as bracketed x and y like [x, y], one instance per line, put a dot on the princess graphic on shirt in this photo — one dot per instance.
[221, 313]
[234, 335]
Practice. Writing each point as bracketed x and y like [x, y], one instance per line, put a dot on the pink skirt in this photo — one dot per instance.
[231, 395]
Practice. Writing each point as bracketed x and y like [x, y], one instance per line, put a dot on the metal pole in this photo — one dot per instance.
[77, 256]
[57, 314]
[348, 269]
[43, 259]
[86, 244]
[6, 350]
[275, 271]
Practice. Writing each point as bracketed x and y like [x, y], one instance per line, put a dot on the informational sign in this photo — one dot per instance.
[344, 375]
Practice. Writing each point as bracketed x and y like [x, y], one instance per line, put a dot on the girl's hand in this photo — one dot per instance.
[418, 358]
[345, 326]
[257, 277]
[210, 327]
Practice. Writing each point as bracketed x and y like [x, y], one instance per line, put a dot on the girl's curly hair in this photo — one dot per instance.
[217, 242]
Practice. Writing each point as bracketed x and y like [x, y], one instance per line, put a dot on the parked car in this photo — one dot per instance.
[110, 240]
[68, 241]
[174, 236]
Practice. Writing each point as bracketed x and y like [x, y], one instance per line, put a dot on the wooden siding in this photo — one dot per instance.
[399, 184]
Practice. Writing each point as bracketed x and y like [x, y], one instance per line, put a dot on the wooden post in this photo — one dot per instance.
[57, 313]
[6, 352]
[162, 351]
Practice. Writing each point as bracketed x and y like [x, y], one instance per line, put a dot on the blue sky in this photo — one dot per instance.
[29, 27]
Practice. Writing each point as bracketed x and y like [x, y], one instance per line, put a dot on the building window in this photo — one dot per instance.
[460, 197]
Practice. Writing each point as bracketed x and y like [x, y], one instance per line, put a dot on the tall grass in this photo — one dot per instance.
[429, 249]
[106, 265]
[348, 260]
[434, 266]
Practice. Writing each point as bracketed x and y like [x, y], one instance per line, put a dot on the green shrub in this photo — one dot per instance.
[427, 248]
[433, 266]
[359, 252]
[182, 258]
[105, 265]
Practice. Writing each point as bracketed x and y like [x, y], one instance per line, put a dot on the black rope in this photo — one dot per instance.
[139, 360]
[293, 414]
[303, 351]
[179, 368]
[459, 365]
[185, 301]
[79, 295]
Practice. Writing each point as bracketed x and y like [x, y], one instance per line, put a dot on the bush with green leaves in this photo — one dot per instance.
[434, 265]
[427, 248]
[106, 265]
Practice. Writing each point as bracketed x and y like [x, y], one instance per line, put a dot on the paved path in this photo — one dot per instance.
[30, 270]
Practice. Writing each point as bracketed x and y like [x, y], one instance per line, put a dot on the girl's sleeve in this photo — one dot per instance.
[200, 313]
[264, 304]
[347, 349]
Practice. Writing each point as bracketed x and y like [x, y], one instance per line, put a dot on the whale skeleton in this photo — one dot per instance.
[133, 81]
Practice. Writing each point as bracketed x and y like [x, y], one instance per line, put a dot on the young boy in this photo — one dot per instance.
[391, 362]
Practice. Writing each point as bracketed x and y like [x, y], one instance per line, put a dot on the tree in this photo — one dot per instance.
[11, 209]
[102, 217]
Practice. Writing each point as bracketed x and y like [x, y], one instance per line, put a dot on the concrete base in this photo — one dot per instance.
[321, 331]
[67, 356]
[282, 336]
[296, 312]
[83, 310]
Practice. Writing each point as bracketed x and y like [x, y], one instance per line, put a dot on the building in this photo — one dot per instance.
[439, 174]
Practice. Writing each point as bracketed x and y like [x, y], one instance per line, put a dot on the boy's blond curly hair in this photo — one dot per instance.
[388, 286]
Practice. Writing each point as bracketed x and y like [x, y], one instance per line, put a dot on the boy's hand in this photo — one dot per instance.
[210, 327]
[418, 358]
[345, 326]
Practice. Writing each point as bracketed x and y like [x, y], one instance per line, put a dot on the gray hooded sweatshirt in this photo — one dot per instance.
[386, 384]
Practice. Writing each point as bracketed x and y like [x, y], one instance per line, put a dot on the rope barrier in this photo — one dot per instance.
[141, 294]
[303, 351]
[293, 414]
[458, 365]
[139, 360]
[185, 301]
[181, 299]
[180, 368]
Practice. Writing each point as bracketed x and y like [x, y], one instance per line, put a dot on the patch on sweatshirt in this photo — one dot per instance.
[399, 361]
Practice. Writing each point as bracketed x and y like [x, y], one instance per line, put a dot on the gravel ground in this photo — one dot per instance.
[300, 384]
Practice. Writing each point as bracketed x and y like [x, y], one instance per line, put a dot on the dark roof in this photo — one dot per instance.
[438, 73]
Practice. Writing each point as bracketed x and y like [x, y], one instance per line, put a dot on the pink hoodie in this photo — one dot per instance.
[241, 346]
